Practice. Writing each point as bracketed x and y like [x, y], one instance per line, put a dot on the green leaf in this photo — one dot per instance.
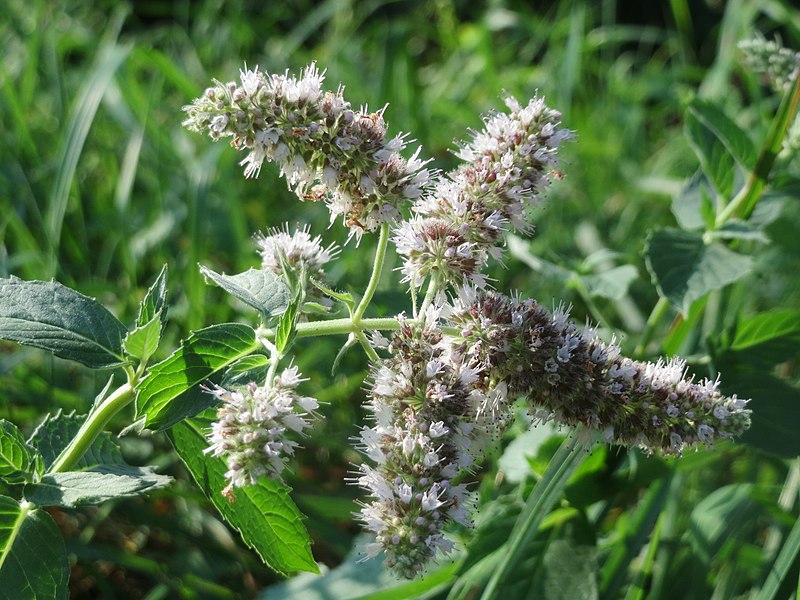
[539, 503]
[370, 580]
[264, 515]
[263, 290]
[58, 430]
[781, 572]
[685, 268]
[720, 518]
[165, 396]
[154, 301]
[17, 458]
[343, 297]
[51, 316]
[716, 162]
[612, 284]
[142, 342]
[690, 204]
[776, 411]
[739, 230]
[33, 559]
[766, 327]
[94, 486]
[287, 327]
[250, 368]
[726, 131]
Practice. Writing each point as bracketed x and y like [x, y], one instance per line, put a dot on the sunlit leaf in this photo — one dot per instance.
[165, 396]
[264, 515]
[33, 559]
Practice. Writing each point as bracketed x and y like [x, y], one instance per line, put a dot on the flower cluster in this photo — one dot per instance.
[458, 225]
[325, 149]
[452, 374]
[780, 65]
[298, 251]
[251, 427]
[573, 378]
[422, 401]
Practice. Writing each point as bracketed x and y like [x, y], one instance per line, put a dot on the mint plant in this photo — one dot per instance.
[445, 375]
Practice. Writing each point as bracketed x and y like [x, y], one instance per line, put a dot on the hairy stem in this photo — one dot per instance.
[377, 267]
[94, 425]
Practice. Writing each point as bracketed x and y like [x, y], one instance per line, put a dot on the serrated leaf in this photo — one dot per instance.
[16, 456]
[94, 486]
[345, 297]
[33, 559]
[54, 317]
[685, 268]
[286, 331]
[253, 368]
[263, 290]
[154, 301]
[264, 515]
[55, 433]
[142, 342]
[165, 396]
[726, 131]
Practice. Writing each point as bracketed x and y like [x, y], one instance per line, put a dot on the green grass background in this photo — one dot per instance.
[100, 187]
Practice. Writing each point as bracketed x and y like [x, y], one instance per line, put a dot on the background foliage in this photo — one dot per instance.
[100, 187]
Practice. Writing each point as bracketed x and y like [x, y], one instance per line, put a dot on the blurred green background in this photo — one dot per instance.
[100, 187]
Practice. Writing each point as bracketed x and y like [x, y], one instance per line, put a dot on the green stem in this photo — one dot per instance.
[93, 426]
[547, 491]
[342, 326]
[433, 287]
[745, 201]
[370, 351]
[659, 310]
[377, 267]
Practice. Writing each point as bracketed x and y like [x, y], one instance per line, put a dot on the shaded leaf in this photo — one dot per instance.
[16, 456]
[370, 580]
[739, 230]
[685, 268]
[249, 368]
[776, 411]
[33, 559]
[716, 162]
[53, 317]
[58, 430]
[264, 514]
[263, 290]
[692, 202]
[612, 284]
[765, 327]
[726, 131]
[94, 486]
[165, 396]
[720, 518]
